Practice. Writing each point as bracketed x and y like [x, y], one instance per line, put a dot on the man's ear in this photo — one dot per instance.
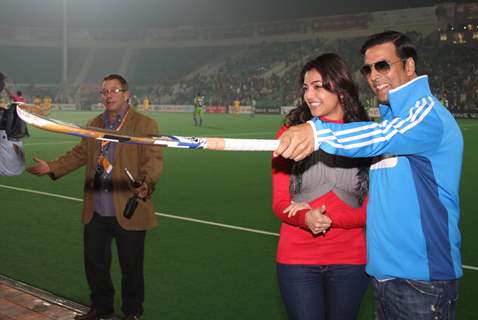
[410, 67]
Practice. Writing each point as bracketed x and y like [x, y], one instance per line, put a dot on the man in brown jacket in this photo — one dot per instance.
[106, 193]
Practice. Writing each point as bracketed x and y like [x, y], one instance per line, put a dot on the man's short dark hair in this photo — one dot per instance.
[124, 84]
[404, 47]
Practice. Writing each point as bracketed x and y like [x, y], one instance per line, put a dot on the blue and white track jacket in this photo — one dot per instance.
[413, 209]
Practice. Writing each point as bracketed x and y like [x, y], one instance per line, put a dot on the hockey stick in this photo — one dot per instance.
[226, 144]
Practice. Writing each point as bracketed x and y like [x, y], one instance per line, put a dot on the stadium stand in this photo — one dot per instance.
[260, 61]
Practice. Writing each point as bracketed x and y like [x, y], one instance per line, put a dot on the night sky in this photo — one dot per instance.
[155, 13]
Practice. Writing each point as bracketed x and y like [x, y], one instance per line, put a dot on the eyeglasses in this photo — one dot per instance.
[106, 92]
[382, 67]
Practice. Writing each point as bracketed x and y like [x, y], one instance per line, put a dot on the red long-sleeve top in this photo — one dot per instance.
[343, 243]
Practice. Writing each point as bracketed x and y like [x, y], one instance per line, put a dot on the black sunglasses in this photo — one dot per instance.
[382, 67]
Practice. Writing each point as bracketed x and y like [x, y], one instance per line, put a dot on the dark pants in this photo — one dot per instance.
[398, 299]
[331, 292]
[98, 236]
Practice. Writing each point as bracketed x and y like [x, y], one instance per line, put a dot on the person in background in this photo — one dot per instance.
[198, 109]
[321, 202]
[12, 158]
[146, 104]
[253, 108]
[37, 105]
[236, 107]
[47, 105]
[107, 190]
[18, 97]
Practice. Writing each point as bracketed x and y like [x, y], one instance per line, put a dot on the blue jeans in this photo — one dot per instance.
[319, 292]
[398, 299]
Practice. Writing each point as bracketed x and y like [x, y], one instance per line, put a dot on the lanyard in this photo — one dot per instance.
[102, 160]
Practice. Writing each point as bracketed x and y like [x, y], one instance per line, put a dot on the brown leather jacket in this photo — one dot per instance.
[143, 161]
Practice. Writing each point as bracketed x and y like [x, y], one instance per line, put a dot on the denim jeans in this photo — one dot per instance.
[313, 292]
[398, 299]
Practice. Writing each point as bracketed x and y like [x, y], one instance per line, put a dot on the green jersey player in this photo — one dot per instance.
[198, 109]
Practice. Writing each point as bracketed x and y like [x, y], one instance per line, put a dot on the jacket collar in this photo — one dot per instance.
[132, 114]
[404, 97]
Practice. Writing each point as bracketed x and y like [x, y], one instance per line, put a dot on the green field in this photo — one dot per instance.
[194, 270]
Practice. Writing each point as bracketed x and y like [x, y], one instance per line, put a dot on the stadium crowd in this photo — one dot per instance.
[267, 73]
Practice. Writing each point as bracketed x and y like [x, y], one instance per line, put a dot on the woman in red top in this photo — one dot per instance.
[321, 202]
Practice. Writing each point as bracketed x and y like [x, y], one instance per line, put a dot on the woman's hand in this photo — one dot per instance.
[295, 207]
[317, 221]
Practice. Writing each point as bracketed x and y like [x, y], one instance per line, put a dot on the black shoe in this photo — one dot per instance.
[92, 314]
[130, 317]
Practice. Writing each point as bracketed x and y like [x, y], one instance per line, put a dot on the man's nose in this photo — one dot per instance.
[374, 74]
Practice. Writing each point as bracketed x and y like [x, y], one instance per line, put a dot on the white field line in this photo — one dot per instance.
[221, 225]
[50, 143]
[470, 267]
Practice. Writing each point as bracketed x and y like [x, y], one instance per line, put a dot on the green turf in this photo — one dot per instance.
[193, 271]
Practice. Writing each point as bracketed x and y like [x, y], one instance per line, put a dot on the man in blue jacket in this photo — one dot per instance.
[413, 239]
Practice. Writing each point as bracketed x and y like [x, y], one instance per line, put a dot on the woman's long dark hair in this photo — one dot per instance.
[336, 78]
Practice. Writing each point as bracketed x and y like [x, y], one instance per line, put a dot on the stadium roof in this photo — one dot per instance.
[157, 13]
